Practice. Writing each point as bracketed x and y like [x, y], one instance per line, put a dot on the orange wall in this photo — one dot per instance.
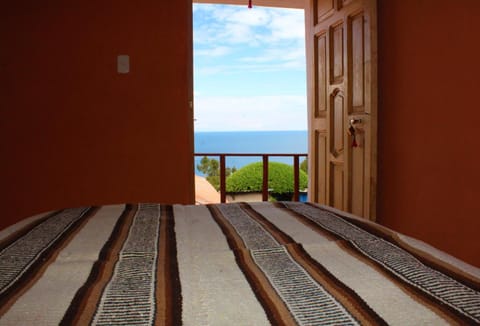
[429, 122]
[72, 130]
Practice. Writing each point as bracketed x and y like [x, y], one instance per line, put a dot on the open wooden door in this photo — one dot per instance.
[342, 103]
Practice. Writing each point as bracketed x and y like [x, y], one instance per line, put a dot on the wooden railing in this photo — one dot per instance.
[265, 157]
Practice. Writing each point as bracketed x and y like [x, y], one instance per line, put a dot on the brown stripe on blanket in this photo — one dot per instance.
[307, 222]
[425, 258]
[431, 262]
[281, 237]
[169, 296]
[440, 265]
[414, 293]
[129, 296]
[66, 224]
[24, 230]
[84, 303]
[424, 282]
[234, 241]
[311, 297]
[275, 309]
[346, 296]
[349, 299]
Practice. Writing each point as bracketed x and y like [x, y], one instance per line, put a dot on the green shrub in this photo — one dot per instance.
[280, 179]
[211, 168]
[304, 166]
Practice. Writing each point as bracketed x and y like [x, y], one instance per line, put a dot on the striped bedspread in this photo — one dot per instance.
[226, 264]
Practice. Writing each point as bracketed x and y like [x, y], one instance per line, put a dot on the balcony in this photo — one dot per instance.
[265, 160]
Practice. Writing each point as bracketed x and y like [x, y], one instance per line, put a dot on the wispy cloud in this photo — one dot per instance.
[237, 24]
[229, 113]
[294, 58]
[288, 24]
[217, 51]
[235, 52]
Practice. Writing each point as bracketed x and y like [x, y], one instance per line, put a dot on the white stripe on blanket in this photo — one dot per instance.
[41, 305]
[354, 273]
[214, 290]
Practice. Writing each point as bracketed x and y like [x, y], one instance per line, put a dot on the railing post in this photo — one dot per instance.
[223, 183]
[265, 178]
[265, 158]
[296, 177]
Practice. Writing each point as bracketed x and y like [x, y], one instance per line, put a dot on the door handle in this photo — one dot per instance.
[352, 131]
[355, 121]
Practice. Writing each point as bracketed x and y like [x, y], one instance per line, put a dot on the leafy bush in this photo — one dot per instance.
[211, 168]
[304, 165]
[280, 179]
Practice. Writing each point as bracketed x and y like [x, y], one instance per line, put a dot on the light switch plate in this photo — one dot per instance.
[123, 64]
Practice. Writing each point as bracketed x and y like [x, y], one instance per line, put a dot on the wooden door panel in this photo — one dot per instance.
[343, 3]
[336, 55]
[320, 170]
[323, 9]
[356, 26]
[321, 76]
[341, 73]
[336, 125]
[336, 185]
[357, 175]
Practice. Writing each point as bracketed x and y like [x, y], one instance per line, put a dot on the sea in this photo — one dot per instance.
[262, 142]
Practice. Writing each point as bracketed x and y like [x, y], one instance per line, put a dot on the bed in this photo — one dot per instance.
[283, 263]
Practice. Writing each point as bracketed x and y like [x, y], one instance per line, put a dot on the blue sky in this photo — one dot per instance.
[249, 68]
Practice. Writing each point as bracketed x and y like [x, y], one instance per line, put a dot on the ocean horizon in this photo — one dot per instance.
[261, 142]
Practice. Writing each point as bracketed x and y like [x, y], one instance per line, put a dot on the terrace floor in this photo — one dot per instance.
[205, 193]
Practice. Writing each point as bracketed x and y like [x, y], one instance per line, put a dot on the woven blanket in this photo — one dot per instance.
[283, 263]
